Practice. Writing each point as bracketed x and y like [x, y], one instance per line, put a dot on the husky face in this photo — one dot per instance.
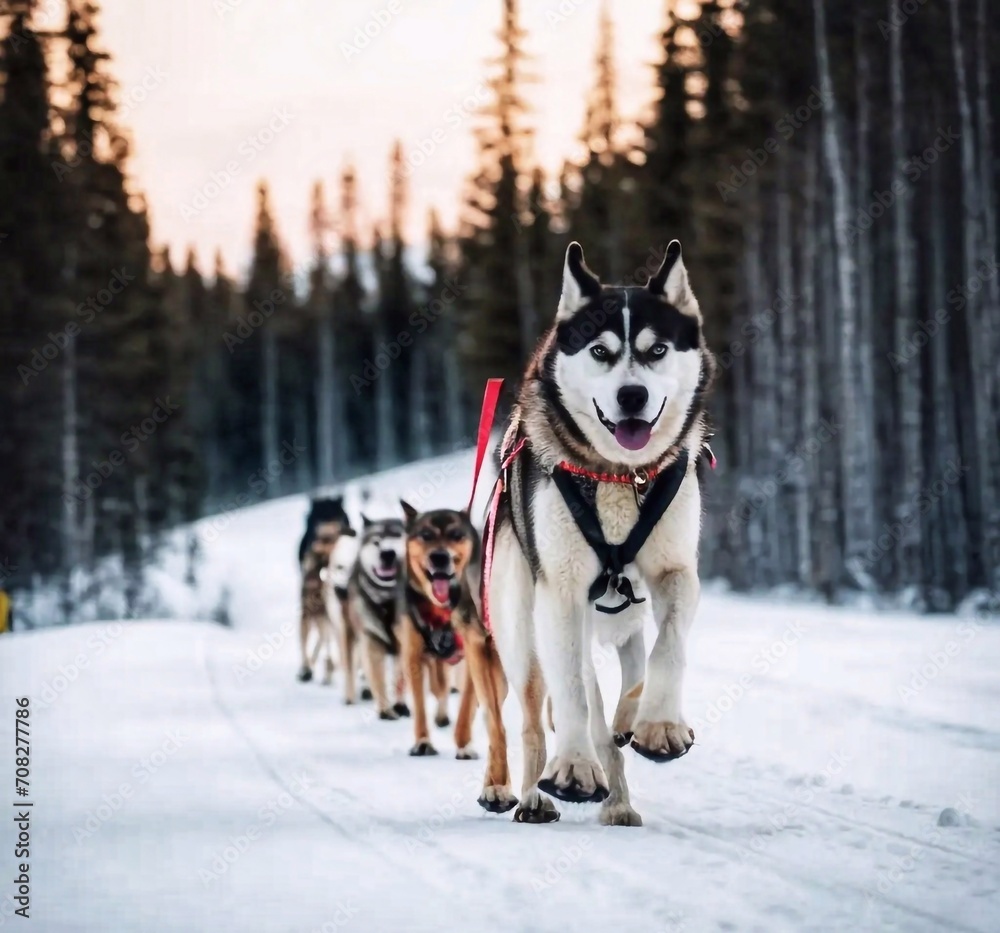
[627, 363]
[381, 549]
[440, 545]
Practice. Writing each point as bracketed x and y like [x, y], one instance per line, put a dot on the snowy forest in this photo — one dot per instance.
[830, 169]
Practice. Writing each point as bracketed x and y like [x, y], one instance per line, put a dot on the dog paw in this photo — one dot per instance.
[366, 693]
[622, 738]
[575, 780]
[619, 814]
[536, 808]
[422, 749]
[388, 714]
[348, 701]
[466, 753]
[497, 798]
[305, 675]
[662, 741]
[326, 681]
[401, 709]
[442, 720]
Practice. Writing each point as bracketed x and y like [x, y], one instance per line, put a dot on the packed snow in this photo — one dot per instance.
[845, 774]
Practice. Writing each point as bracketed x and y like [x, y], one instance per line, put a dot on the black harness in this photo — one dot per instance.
[435, 628]
[615, 557]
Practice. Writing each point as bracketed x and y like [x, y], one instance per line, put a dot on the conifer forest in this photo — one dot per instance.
[831, 170]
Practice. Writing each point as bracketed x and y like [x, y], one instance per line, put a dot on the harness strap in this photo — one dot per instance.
[615, 557]
[434, 625]
[491, 398]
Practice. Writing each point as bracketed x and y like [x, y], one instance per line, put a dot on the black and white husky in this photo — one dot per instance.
[611, 423]
[372, 592]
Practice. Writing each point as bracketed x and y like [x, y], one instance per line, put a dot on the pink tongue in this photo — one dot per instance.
[633, 436]
[441, 589]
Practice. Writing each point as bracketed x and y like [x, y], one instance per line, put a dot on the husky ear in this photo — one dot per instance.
[671, 282]
[408, 510]
[579, 285]
[366, 522]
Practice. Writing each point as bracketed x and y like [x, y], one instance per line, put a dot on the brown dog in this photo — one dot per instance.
[440, 626]
[314, 616]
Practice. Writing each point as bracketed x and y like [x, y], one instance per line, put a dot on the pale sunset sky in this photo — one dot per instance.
[271, 88]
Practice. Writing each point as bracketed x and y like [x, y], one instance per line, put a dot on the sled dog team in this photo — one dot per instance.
[591, 531]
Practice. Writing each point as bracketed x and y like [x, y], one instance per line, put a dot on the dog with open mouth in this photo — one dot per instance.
[439, 626]
[593, 532]
[372, 597]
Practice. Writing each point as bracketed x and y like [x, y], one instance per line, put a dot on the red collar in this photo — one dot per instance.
[434, 615]
[636, 478]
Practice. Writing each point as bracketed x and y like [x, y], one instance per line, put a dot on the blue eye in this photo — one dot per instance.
[600, 353]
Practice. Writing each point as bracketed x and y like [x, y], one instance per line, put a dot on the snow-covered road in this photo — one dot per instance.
[183, 780]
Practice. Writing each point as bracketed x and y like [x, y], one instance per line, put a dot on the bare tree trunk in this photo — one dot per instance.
[420, 439]
[986, 525]
[269, 414]
[909, 551]
[71, 469]
[326, 402]
[453, 396]
[809, 407]
[857, 438]
[386, 452]
[949, 568]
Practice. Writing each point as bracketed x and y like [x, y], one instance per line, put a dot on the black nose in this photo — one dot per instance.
[632, 399]
[440, 560]
[388, 558]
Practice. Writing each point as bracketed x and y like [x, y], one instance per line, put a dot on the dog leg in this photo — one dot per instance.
[347, 646]
[466, 715]
[511, 591]
[632, 657]
[375, 656]
[575, 773]
[617, 809]
[660, 731]
[399, 687]
[305, 624]
[439, 687]
[535, 807]
[412, 654]
[491, 690]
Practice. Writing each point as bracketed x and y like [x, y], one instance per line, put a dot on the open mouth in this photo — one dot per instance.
[385, 573]
[631, 433]
[441, 583]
